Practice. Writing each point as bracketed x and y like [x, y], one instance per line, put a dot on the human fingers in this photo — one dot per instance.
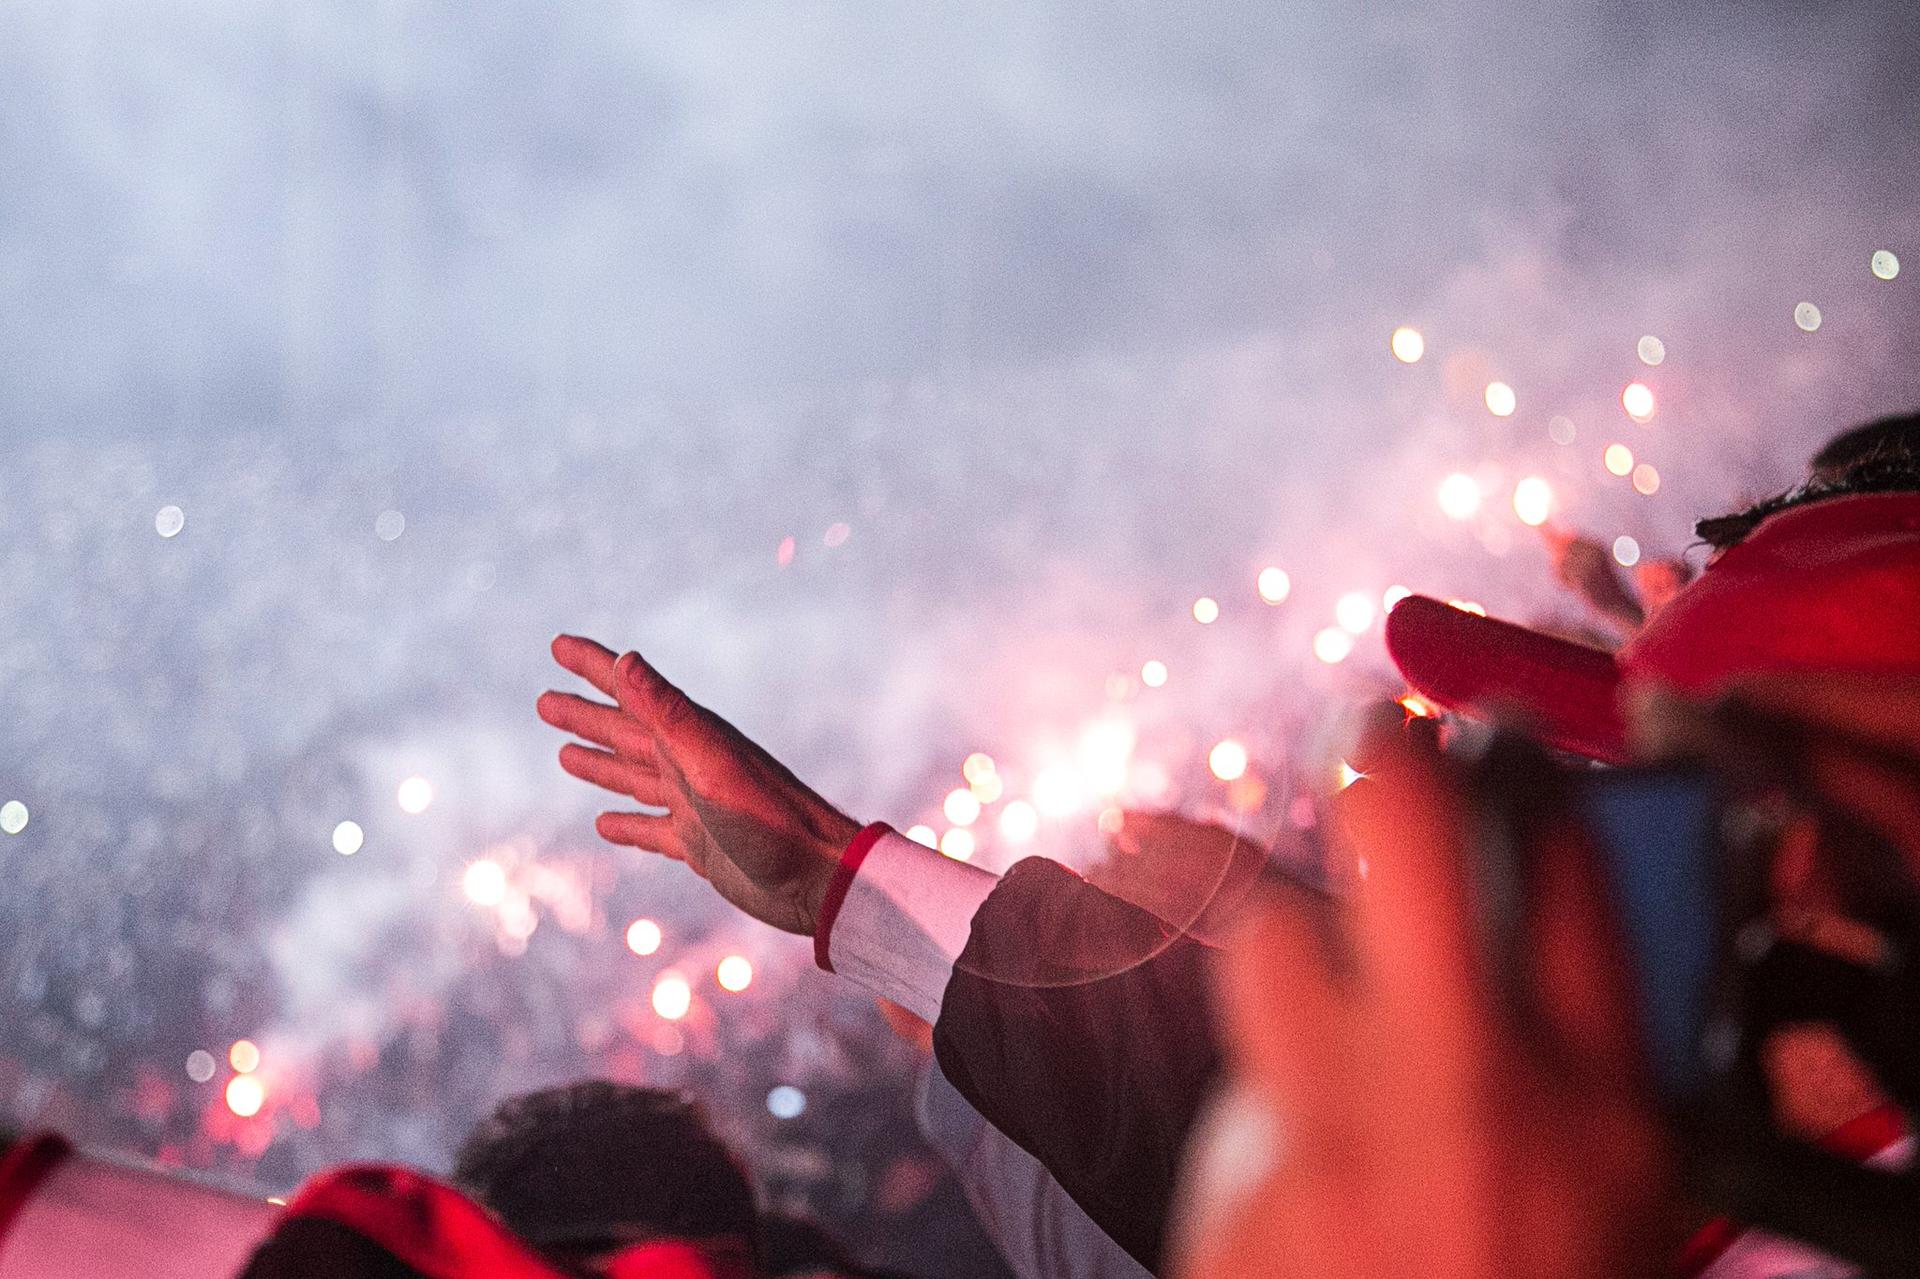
[616, 773]
[600, 724]
[590, 661]
[647, 831]
[702, 746]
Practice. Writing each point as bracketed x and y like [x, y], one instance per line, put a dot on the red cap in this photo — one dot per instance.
[1833, 585]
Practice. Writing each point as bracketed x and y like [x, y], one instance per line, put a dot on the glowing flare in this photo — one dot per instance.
[1228, 760]
[348, 838]
[978, 766]
[485, 882]
[200, 1065]
[1618, 458]
[1056, 791]
[958, 844]
[1354, 611]
[1626, 550]
[1646, 479]
[1332, 645]
[1206, 610]
[1348, 775]
[1154, 674]
[1459, 496]
[1019, 821]
[962, 807]
[923, 835]
[1884, 264]
[13, 817]
[415, 795]
[1407, 344]
[988, 789]
[786, 1102]
[1468, 606]
[1807, 317]
[1392, 596]
[169, 521]
[1414, 704]
[1105, 752]
[735, 973]
[1274, 585]
[644, 937]
[1533, 501]
[244, 1056]
[1501, 401]
[1637, 400]
[672, 996]
[1651, 350]
[245, 1095]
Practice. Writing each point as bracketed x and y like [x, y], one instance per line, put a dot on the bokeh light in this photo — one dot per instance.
[13, 817]
[348, 838]
[988, 789]
[1407, 344]
[1806, 317]
[1355, 612]
[1533, 501]
[1153, 673]
[786, 1102]
[1019, 821]
[959, 844]
[1618, 459]
[962, 807]
[389, 525]
[978, 767]
[1206, 610]
[201, 1066]
[415, 795]
[1274, 584]
[734, 973]
[246, 1095]
[1561, 430]
[1650, 349]
[1884, 264]
[1501, 401]
[1227, 760]
[1459, 496]
[1332, 645]
[244, 1056]
[644, 937]
[1056, 791]
[1392, 596]
[485, 882]
[672, 996]
[1646, 479]
[1626, 550]
[169, 521]
[1637, 400]
[924, 834]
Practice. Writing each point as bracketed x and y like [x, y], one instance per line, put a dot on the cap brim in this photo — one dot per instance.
[1561, 693]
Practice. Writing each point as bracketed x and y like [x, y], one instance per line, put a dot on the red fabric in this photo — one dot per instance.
[1830, 586]
[837, 890]
[22, 1168]
[671, 1260]
[427, 1226]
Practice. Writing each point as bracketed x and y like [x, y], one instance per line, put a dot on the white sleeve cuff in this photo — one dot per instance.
[905, 920]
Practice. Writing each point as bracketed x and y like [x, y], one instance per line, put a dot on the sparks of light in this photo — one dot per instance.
[485, 882]
[1206, 610]
[389, 525]
[1637, 400]
[1274, 585]
[1332, 645]
[169, 521]
[988, 789]
[200, 1065]
[1626, 550]
[672, 996]
[13, 817]
[348, 838]
[1646, 479]
[962, 807]
[1228, 760]
[1056, 791]
[1408, 346]
[735, 973]
[244, 1056]
[245, 1095]
[1459, 496]
[1501, 400]
[1619, 459]
[644, 937]
[1468, 606]
[1884, 264]
[1347, 776]
[977, 766]
[1354, 611]
[786, 1102]
[1019, 821]
[923, 835]
[1807, 317]
[1533, 501]
[1560, 429]
[1105, 753]
[1154, 674]
[415, 795]
[958, 844]
[1650, 349]
[1392, 596]
[1414, 704]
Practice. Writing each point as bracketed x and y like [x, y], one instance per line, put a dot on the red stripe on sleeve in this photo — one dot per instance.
[837, 889]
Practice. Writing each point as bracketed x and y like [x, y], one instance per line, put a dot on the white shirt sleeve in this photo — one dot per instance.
[904, 922]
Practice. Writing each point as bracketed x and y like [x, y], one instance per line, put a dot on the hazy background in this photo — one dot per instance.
[1068, 313]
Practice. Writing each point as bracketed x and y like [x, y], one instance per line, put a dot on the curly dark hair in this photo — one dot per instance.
[1882, 456]
[591, 1166]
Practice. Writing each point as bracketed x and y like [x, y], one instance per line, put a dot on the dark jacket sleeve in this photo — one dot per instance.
[1079, 1025]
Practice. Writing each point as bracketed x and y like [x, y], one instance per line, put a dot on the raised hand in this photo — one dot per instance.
[765, 840]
